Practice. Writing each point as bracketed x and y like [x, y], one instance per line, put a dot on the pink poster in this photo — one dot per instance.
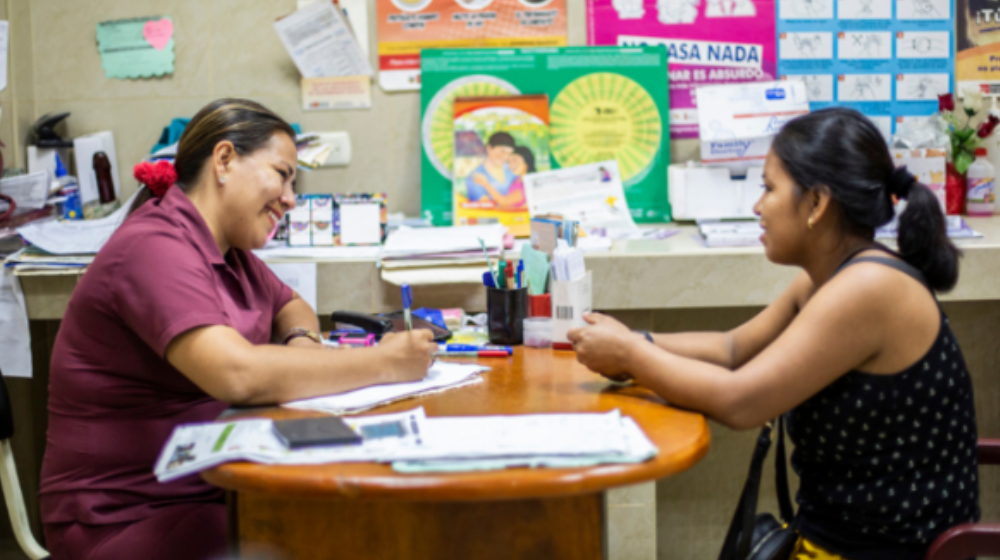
[708, 42]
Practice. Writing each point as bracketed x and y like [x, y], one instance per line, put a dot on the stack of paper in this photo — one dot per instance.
[442, 255]
[414, 443]
[33, 260]
[444, 243]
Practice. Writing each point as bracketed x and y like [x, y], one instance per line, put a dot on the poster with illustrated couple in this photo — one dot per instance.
[498, 140]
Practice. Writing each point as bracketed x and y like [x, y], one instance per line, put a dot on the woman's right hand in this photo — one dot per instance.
[407, 355]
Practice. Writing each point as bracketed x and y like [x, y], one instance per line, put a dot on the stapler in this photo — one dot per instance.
[43, 132]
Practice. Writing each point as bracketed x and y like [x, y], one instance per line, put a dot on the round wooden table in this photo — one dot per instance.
[366, 510]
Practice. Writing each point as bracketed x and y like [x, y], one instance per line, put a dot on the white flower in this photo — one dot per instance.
[972, 100]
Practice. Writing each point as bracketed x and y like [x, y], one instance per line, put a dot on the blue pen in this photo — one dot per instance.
[474, 348]
[488, 280]
[520, 273]
[407, 304]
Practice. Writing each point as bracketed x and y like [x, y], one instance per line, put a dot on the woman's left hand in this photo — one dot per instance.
[604, 346]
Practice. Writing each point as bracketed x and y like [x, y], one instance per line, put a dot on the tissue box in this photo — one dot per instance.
[736, 123]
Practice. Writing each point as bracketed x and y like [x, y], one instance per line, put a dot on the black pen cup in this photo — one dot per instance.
[506, 310]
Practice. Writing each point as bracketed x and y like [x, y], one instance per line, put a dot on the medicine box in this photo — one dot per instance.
[299, 220]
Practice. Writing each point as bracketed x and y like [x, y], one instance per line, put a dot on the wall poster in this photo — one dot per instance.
[889, 59]
[407, 26]
[709, 42]
[977, 64]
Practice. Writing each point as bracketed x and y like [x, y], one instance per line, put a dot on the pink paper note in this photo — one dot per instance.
[158, 33]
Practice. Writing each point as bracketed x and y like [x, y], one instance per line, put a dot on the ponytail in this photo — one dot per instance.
[923, 238]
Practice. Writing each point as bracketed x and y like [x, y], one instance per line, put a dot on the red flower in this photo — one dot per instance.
[946, 102]
[988, 125]
[157, 176]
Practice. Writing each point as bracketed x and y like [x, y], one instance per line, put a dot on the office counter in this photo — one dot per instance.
[669, 285]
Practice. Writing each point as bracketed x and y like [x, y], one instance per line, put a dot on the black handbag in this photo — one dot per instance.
[759, 536]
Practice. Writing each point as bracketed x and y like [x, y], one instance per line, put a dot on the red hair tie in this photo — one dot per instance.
[157, 176]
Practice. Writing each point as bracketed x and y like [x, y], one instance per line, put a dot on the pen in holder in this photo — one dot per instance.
[506, 310]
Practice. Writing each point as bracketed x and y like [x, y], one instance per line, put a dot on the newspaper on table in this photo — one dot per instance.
[639, 449]
[440, 377]
[414, 443]
[193, 448]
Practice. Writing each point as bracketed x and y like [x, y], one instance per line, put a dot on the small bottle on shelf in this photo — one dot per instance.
[979, 186]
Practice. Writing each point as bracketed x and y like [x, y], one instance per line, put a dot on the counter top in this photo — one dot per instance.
[677, 272]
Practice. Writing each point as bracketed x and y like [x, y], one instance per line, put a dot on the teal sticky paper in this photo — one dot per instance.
[127, 47]
[536, 268]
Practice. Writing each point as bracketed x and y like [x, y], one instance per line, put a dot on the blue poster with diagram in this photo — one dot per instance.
[889, 59]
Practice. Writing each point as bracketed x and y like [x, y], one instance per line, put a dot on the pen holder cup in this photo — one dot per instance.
[506, 310]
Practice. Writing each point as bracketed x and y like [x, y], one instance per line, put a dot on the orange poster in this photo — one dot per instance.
[406, 26]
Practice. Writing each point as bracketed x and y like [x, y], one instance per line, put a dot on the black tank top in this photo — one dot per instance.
[888, 462]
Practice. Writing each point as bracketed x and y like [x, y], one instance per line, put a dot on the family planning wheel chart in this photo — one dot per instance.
[889, 59]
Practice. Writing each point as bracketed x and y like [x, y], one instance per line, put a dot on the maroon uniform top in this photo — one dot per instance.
[113, 398]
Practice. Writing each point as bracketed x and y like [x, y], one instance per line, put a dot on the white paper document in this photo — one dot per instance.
[74, 237]
[28, 191]
[196, 447]
[591, 194]
[638, 449]
[15, 338]
[440, 377]
[300, 277]
[321, 44]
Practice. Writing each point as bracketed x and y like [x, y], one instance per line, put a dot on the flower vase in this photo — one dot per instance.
[954, 191]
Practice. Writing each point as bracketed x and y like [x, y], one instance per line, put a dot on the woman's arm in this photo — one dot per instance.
[841, 328]
[231, 369]
[734, 348]
[296, 314]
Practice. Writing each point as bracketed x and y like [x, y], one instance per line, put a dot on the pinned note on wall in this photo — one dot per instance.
[137, 47]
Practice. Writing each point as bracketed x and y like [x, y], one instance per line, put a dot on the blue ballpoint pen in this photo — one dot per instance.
[407, 304]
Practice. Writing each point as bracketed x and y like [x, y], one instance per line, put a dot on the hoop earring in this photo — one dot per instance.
[809, 223]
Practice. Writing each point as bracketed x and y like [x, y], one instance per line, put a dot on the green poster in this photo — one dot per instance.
[606, 103]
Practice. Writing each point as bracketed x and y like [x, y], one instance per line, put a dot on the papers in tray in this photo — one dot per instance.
[74, 237]
[414, 443]
[440, 377]
[443, 242]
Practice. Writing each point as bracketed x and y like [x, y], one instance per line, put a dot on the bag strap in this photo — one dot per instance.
[781, 475]
[738, 538]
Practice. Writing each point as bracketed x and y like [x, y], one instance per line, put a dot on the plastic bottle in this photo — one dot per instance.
[63, 179]
[979, 185]
[102, 170]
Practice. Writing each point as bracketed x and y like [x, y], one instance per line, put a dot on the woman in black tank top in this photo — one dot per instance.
[856, 350]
